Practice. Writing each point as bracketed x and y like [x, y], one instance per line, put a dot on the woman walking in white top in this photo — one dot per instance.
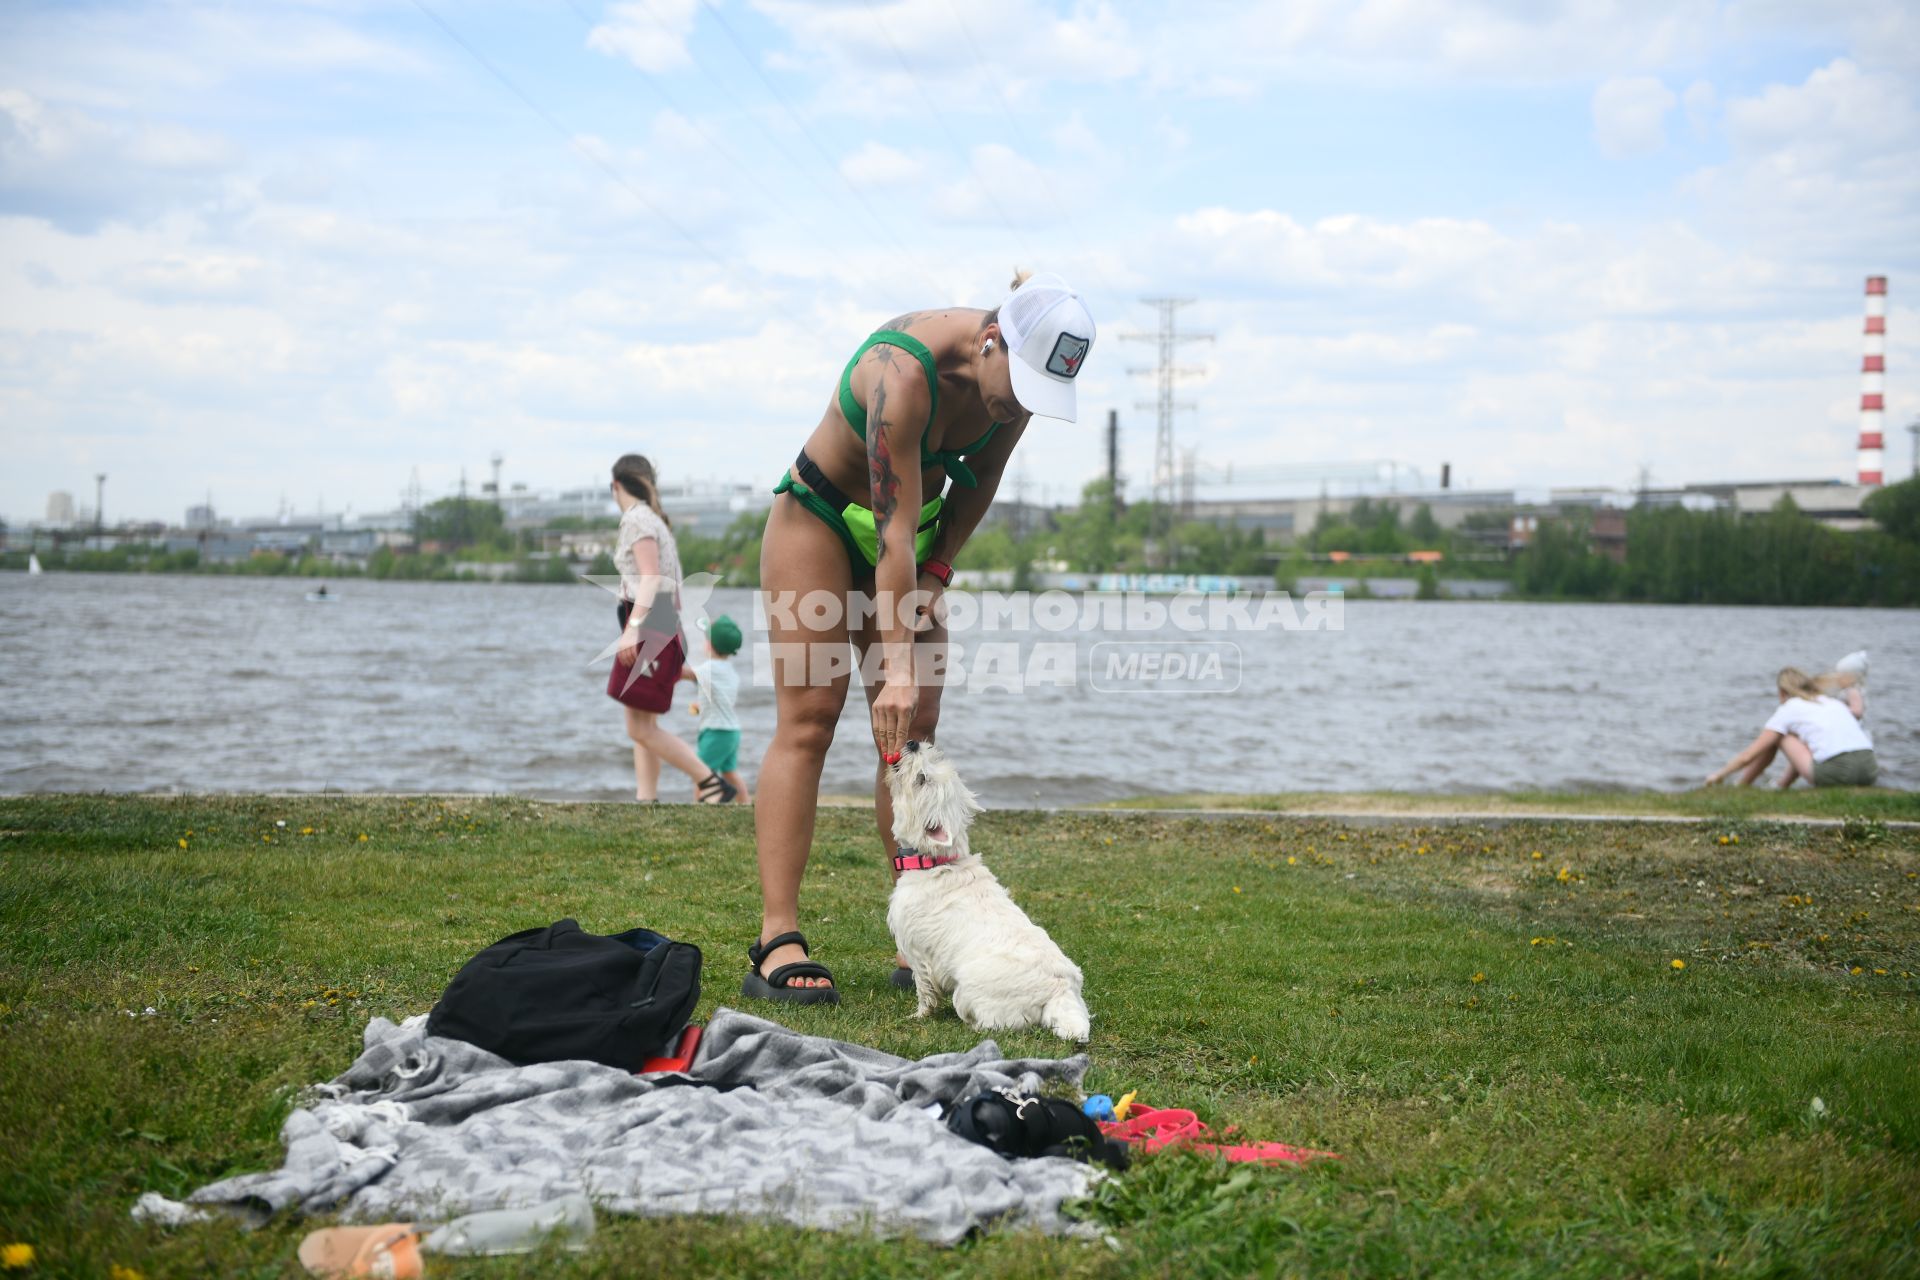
[651, 651]
[1820, 736]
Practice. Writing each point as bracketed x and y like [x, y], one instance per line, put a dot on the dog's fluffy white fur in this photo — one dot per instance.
[956, 925]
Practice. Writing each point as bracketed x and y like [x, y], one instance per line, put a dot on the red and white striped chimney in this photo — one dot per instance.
[1873, 381]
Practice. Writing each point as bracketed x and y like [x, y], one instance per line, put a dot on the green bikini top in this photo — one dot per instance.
[856, 414]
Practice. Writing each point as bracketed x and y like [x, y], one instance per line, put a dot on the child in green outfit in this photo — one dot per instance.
[719, 684]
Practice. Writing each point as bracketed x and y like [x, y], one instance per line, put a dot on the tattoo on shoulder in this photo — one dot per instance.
[881, 477]
[904, 321]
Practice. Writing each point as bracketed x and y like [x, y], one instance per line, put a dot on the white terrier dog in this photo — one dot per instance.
[954, 923]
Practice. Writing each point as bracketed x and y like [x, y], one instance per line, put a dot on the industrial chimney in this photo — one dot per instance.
[1873, 382]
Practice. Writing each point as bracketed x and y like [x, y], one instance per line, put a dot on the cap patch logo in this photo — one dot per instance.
[1068, 352]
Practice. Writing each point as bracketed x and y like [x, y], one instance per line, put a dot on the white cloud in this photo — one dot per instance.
[1630, 115]
[973, 57]
[391, 273]
[652, 35]
[1000, 187]
[1397, 41]
[876, 164]
[80, 170]
[1827, 168]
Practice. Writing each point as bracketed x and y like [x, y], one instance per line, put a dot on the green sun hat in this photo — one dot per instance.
[724, 633]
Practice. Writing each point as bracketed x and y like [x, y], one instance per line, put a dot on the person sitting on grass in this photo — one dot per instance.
[719, 684]
[1820, 736]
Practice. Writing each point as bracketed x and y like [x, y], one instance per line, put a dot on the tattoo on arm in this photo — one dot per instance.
[880, 473]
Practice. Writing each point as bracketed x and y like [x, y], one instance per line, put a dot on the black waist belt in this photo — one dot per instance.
[815, 479]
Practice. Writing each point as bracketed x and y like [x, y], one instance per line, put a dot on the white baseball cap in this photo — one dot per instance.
[1048, 332]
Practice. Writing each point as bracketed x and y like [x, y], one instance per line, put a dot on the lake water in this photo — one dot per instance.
[184, 683]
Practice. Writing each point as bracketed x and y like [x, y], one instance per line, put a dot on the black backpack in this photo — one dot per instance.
[559, 994]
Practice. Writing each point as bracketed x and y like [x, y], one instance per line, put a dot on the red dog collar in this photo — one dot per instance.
[914, 860]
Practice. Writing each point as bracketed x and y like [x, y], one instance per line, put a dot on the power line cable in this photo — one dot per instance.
[773, 200]
[773, 91]
[599, 162]
[933, 113]
[1013, 126]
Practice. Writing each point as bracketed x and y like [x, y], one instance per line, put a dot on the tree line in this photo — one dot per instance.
[1784, 557]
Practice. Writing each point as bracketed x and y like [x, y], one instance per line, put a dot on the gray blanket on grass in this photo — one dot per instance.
[828, 1134]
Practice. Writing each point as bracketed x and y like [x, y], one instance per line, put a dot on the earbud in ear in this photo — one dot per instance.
[989, 347]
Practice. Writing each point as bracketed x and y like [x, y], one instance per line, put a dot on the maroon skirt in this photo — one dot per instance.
[648, 684]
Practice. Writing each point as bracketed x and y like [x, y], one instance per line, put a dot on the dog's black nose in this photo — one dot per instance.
[912, 745]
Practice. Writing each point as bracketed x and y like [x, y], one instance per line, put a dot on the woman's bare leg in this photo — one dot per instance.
[646, 773]
[926, 722]
[1759, 766]
[643, 727]
[798, 557]
[1799, 761]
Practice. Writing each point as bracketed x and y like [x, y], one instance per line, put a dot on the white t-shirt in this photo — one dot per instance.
[719, 689]
[1824, 724]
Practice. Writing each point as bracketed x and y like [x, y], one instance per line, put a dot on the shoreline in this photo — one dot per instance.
[1894, 810]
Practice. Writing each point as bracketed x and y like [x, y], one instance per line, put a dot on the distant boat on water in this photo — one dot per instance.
[322, 596]
[33, 563]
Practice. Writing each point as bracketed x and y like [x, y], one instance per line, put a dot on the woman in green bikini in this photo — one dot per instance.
[932, 396]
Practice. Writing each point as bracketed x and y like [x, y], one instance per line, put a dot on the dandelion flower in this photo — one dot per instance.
[306, 831]
[1236, 889]
[183, 842]
[1537, 855]
[15, 1257]
[1881, 972]
[1679, 964]
[118, 1272]
[1855, 969]
[1479, 977]
[363, 837]
[1536, 942]
[1292, 861]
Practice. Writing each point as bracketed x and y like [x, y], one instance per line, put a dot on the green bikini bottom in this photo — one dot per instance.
[853, 522]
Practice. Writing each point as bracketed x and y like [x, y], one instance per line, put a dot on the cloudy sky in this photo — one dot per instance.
[302, 248]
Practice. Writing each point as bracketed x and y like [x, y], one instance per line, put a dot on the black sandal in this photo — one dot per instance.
[774, 986]
[714, 789]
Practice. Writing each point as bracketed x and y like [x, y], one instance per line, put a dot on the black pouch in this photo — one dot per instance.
[558, 994]
[1016, 1125]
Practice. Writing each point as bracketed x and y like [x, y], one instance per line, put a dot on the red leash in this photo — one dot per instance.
[1156, 1130]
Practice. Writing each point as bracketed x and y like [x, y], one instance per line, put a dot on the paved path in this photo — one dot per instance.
[1375, 817]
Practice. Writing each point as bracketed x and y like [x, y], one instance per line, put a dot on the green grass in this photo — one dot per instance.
[1715, 802]
[1519, 1080]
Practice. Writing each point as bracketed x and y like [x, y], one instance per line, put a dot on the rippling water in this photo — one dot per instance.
[137, 683]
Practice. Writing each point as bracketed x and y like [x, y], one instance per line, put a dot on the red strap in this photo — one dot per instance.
[939, 569]
[1154, 1130]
